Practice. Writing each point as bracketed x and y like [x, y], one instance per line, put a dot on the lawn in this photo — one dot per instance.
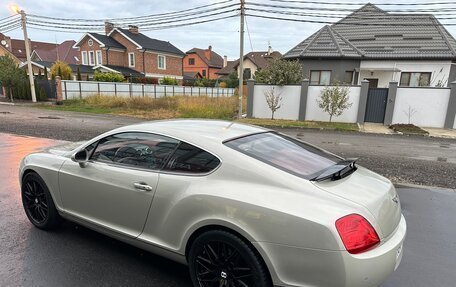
[183, 107]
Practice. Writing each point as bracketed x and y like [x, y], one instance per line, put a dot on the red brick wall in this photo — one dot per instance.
[199, 66]
[173, 64]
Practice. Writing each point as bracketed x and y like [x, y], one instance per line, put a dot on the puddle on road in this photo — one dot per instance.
[5, 113]
[50, 118]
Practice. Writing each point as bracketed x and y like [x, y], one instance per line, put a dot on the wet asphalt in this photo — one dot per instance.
[403, 159]
[76, 256]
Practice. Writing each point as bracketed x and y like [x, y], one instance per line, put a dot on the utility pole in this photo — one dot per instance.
[241, 59]
[27, 51]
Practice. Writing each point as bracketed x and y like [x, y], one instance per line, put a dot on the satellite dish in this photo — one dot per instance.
[3, 42]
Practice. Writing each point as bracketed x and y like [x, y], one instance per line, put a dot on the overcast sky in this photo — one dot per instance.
[222, 35]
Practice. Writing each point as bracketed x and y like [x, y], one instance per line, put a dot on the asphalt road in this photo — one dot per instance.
[417, 160]
[76, 256]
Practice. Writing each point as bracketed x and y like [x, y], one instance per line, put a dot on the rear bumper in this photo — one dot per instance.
[293, 266]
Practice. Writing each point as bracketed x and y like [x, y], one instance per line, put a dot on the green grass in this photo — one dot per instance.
[182, 107]
[302, 124]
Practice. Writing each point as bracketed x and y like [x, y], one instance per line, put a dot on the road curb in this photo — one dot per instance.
[417, 186]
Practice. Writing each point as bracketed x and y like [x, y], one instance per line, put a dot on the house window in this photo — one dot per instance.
[91, 58]
[161, 62]
[320, 77]
[247, 73]
[84, 57]
[99, 58]
[348, 78]
[191, 61]
[415, 79]
[131, 59]
[204, 73]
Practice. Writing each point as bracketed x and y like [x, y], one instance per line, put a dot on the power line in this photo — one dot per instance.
[362, 3]
[346, 16]
[176, 13]
[346, 9]
[351, 23]
[248, 33]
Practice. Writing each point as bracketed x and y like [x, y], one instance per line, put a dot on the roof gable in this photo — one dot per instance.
[144, 42]
[216, 61]
[103, 40]
[371, 33]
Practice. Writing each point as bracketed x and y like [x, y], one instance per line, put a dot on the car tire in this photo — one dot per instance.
[219, 258]
[37, 202]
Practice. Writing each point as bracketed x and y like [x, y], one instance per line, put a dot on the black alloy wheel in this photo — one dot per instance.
[37, 202]
[221, 259]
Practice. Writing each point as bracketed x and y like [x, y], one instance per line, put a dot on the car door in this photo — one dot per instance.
[116, 187]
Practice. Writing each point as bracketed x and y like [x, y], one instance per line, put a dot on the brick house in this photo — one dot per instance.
[203, 61]
[130, 53]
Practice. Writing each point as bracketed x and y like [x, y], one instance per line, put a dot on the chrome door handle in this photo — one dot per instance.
[142, 186]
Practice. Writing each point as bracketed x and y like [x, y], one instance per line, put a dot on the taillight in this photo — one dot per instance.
[356, 233]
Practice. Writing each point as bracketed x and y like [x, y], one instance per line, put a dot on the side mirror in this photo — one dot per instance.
[81, 157]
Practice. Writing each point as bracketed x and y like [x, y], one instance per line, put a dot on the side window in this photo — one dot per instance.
[142, 150]
[190, 159]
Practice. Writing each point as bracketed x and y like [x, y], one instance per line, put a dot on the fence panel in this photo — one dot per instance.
[82, 89]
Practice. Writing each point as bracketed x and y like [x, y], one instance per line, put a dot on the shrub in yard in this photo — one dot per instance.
[222, 85]
[61, 69]
[280, 72]
[334, 100]
[169, 81]
[273, 99]
[108, 77]
[42, 95]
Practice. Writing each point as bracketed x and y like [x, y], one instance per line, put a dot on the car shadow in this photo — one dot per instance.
[77, 256]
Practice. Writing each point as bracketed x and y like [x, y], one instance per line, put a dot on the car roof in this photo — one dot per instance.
[196, 130]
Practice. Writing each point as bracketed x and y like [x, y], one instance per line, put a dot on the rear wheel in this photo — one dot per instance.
[220, 259]
[38, 204]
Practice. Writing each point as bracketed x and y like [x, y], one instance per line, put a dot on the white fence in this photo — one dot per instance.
[421, 106]
[82, 89]
[425, 107]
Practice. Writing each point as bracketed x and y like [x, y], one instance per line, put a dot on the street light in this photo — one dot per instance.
[15, 9]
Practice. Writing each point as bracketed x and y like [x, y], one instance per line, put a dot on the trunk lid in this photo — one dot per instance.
[372, 191]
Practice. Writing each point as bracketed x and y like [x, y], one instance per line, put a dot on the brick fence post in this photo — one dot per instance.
[451, 109]
[303, 99]
[58, 89]
[250, 90]
[392, 91]
[362, 101]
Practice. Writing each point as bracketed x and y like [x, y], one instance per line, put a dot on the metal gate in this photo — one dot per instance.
[376, 105]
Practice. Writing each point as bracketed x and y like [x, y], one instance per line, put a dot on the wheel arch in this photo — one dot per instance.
[210, 227]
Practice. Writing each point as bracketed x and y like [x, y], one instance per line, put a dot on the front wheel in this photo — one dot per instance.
[218, 258]
[38, 204]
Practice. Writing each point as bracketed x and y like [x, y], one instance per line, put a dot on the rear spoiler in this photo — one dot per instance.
[339, 170]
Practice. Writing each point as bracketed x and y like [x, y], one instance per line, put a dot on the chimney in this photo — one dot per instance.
[270, 50]
[108, 27]
[225, 61]
[208, 52]
[133, 29]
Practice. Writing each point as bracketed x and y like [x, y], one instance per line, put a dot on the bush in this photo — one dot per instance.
[280, 72]
[108, 77]
[205, 82]
[169, 81]
[144, 80]
[61, 69]
[42, 95]
[222, 85]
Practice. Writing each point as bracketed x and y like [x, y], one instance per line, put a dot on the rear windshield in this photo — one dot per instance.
[285, 153]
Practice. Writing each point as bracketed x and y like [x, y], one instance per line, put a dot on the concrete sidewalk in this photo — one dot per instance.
[378, 128]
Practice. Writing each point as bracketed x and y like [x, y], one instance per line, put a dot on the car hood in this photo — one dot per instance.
[64, 149]
[372, 191]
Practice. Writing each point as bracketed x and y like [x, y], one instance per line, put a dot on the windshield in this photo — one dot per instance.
[285, 153]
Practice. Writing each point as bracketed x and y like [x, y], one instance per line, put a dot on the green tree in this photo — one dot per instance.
[39, 74]
[61, 69]
[46, 74]
[42, 95]
[232, 81]
[334, 100]
[108, 77]
[78, 76]
[11, 76]
[280, 72]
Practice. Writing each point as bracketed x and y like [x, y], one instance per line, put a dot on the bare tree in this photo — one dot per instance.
[273, 99]
[334, 100]
[410, 113]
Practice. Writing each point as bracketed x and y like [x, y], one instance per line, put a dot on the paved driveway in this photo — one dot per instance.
[76, 256]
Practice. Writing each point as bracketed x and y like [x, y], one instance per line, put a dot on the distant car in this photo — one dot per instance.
[241, 205]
